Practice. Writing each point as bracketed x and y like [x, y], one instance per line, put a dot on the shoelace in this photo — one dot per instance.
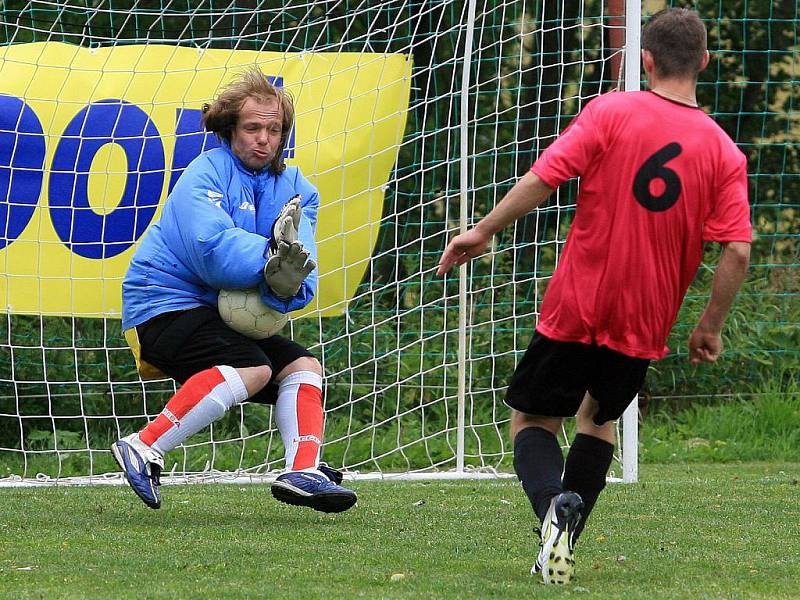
[332, 474]
[155, 473]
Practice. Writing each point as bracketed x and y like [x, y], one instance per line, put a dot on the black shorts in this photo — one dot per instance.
[186, 342]
[553, 377]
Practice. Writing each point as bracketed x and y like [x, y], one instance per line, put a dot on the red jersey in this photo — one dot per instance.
[658, 180]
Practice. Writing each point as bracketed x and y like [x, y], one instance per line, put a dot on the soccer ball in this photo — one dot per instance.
[243, 311]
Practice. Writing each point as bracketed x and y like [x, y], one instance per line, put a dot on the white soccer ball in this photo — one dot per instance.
[243, 311]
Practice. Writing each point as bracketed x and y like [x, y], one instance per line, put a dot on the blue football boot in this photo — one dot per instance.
[141, 466]
[315, 490]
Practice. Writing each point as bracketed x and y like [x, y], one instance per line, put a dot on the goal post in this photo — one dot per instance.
[413, 118]
[632, 82]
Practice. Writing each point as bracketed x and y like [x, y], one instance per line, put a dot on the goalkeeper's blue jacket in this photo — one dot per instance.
[214, 234]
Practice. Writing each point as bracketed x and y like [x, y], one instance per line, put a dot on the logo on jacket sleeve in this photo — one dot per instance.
[215, 198]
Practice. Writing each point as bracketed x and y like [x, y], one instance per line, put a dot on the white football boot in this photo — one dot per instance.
[556, 560]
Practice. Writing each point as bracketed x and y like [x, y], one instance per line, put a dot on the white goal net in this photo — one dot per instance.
[414, 117]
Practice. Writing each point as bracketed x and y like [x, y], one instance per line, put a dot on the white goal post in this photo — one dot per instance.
[413, 119]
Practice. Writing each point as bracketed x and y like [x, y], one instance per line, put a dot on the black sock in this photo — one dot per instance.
[539, 463]
[587, 464]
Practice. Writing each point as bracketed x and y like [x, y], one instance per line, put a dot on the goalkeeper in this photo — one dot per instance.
[659, 179]
[237, 218]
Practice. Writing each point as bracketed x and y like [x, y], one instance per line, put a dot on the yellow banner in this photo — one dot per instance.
[92, 140]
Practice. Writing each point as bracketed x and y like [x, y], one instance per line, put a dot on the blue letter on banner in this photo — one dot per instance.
[21, 166]
[190, 141]
[106, 122]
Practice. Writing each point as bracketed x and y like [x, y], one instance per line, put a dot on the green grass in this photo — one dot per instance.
[762, 426]
[685, 531]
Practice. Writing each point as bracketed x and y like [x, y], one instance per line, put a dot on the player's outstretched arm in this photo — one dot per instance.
[705, 343]
[528, 193]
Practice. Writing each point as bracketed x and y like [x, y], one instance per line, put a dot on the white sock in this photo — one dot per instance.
[301, 419]
[203, 399]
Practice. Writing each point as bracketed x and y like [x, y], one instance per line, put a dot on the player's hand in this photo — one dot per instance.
[463, 248]
[287, 268]
[704, 346]
[287, 224]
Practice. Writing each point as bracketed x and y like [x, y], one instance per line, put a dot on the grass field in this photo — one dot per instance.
[690, 531]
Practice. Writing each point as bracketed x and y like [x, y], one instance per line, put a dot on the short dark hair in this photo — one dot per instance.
[221, 116]
[676, 37]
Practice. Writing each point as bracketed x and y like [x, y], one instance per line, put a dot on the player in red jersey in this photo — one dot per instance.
[659, 179]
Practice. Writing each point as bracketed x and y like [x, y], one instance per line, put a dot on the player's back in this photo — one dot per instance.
[652, 173]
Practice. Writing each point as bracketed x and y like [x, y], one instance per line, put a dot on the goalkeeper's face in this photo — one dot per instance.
[257, 135]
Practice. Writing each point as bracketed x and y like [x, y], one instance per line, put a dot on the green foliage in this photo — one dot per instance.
[762, 344]
[759, 426]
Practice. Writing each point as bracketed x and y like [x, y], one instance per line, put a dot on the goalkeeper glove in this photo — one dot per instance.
[287, 224]
[287, 268]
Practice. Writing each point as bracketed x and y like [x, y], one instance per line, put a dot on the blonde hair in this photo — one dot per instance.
[221, 116]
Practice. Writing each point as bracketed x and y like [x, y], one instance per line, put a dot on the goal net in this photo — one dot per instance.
[413, 119]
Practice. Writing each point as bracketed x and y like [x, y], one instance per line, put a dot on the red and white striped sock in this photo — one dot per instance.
[200, 401]
[300, 419]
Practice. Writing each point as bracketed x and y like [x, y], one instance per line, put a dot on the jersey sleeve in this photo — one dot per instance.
[573, 151]
[204, 235]
[729, 220]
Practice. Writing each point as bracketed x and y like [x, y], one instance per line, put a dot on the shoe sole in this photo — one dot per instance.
[118, 457]
[560, 563]
[327, 503]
